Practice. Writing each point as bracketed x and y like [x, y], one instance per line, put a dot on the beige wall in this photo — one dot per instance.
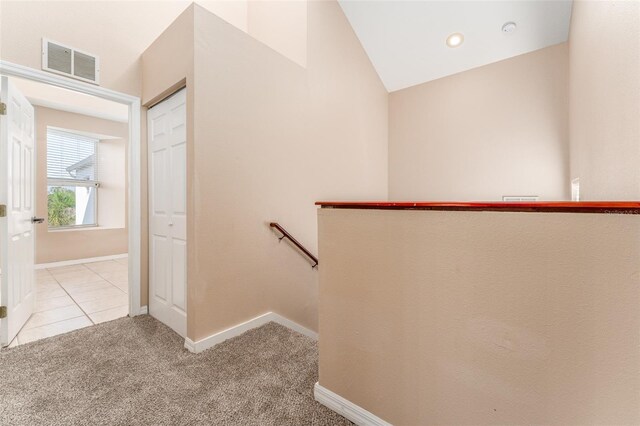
[112, 173]
[131, 26]
[267, 139]
[282, 25]
[482, 317]
[116, 31]
[168, 62]
[233, 11]
[605, 99]
[56, 246]
[270, 138]
[500, 129]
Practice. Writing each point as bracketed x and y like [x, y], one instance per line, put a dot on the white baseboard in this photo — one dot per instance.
[80, 261]
[286, 322]
[190, 345]
[211, 341]
[144, 310]
[346, 408]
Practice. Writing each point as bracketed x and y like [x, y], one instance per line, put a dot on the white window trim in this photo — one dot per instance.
[134, 168]
[73, 182]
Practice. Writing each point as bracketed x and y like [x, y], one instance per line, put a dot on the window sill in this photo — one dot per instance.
[83, 228]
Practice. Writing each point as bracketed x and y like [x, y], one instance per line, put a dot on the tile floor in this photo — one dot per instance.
[73, 297]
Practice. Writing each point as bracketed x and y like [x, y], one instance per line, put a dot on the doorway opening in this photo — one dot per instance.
[81, 263]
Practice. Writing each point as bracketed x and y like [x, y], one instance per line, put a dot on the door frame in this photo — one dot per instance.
[134, 191]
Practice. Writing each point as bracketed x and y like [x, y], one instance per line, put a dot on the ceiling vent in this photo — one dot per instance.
[64, 60]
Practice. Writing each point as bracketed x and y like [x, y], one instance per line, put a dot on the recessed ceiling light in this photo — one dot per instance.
[455, 40]
[509, 27]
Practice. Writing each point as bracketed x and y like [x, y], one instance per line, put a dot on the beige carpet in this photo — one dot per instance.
[136, 372]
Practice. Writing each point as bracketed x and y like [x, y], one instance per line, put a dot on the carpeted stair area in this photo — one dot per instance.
[135, 371]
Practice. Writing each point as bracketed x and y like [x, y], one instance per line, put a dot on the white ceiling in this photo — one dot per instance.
[405, 40]
[67, 100]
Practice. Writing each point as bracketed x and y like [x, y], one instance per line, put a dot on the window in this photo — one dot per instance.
[72, 179]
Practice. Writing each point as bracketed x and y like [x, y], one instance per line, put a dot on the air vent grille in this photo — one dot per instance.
[84, 66]
[516, 198]
[59, 58]
[71, 62]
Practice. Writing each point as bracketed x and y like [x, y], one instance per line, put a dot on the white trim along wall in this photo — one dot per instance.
[346, 408]
[80, 261]
[236, 330]
[134, 168]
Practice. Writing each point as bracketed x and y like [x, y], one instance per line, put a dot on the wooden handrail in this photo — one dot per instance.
[602, 207]
[285, 234]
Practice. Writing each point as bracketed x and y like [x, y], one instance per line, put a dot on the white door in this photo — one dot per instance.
[17, 160]
[167, 212]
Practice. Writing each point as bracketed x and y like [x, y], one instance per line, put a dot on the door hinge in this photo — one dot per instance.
[3, 108]
[3, 312]
[3, 210]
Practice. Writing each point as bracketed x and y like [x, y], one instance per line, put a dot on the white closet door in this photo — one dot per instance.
[167, 212]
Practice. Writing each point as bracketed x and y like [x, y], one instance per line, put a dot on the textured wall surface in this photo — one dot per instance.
[501, 129]
[482, 317]
[605, 99]
[270, 138]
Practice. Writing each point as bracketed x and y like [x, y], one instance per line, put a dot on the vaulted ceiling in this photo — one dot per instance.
[406, 40]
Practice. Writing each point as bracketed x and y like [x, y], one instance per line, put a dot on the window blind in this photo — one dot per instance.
[71, 156]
